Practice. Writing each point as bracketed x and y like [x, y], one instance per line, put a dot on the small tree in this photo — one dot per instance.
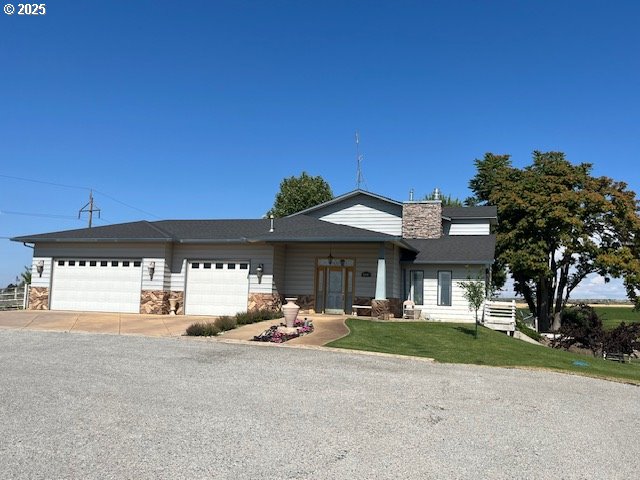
[26, 276]
[474, 293]
[299, 193]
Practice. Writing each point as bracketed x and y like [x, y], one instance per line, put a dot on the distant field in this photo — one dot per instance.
[611, 316]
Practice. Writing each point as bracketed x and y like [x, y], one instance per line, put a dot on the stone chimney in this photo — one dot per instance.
[422, 219]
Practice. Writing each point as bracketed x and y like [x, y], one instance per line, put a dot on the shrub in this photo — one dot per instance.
[581, 327]
[202, 329]
[254, 316]
[622, 339]
[226, 323]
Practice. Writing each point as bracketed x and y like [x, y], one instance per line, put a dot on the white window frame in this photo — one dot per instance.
[412, 287]
[441, 274]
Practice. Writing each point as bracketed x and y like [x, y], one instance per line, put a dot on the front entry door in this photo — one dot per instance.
[335, 290]
[334, 286]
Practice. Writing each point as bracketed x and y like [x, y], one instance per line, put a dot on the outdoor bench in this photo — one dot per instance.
[355, 308]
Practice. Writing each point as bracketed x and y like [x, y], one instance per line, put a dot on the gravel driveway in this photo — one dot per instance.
[98, 406]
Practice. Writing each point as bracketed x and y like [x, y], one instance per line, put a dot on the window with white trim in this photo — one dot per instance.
[444, 287]
[416, 286]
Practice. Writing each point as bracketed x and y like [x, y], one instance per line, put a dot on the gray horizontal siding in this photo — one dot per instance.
[459, 309]
[301, 264]
[363, 216]
[100, 250]
[469, 227]
[45, 279]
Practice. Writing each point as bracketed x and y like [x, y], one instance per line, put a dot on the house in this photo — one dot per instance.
[357, 249]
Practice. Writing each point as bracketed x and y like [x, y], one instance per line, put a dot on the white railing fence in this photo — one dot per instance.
[15, 298]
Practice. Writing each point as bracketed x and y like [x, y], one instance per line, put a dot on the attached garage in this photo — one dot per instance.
[96, 285]
[216, 287]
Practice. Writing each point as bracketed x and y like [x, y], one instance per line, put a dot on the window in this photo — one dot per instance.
[206, 265]
[61, 263]
[244, 266]
[125, 264]
[136, 264]
[114, 264]
[72, 263]
[231, 266]
[219, 266]
[195, 265]
[82, 263]
[416, 286]
[103, 263]
[92, 263]
[444, 288]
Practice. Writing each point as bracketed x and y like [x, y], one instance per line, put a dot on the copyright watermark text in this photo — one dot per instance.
[25, 9]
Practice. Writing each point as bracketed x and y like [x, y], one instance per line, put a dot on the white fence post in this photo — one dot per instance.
[25, 300]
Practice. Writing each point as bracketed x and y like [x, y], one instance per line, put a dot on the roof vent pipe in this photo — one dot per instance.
[271, 218]
[411, 195]
[436, 193]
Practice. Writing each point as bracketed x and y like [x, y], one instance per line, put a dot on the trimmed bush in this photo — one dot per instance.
[202, 329]
[254, 316]
[226, 323]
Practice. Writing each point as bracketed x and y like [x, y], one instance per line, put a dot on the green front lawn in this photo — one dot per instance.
[455, 343]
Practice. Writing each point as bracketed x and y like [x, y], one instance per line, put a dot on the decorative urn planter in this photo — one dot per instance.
[173, 303]
[290, 311]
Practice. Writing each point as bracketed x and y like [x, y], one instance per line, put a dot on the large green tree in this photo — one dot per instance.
[557, 224]
[299, 193]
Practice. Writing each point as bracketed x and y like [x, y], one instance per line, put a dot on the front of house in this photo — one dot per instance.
[357, 249]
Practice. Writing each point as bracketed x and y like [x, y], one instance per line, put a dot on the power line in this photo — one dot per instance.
[42, 215]
[76, 187]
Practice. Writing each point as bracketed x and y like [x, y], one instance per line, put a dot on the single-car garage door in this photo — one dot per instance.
[216, 288]
[96, 285]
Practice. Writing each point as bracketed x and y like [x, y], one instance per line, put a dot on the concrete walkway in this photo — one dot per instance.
[326, 327]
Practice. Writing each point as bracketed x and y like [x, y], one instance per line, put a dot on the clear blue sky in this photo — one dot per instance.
[199, 109]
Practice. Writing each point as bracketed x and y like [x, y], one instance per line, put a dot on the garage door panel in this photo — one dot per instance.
[97, 288]
[216, 291]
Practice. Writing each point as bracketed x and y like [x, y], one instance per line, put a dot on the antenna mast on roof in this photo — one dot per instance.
[359, 177]
[90, 209]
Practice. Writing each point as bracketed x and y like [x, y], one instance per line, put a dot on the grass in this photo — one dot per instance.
[455, 343]
[611, 316]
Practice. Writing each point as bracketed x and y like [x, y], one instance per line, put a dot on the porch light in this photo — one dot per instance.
[40, 267]
[259, 272]
[152, 269]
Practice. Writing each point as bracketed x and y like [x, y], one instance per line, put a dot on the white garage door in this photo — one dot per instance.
[216, 288]
[96, 285]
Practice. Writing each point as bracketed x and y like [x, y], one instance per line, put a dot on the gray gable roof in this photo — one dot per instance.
[346, 196]
[300, 228]
[453, 249]
[470, 212]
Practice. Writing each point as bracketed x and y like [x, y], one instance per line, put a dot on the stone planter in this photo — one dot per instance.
[290, 311]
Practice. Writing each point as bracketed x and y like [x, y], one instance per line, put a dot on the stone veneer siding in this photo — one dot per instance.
[307, 303]
[395, 307]
[38, 298]
[422, 219]
[380, 309]
[264, 301]
[180, 305]
[155, 302]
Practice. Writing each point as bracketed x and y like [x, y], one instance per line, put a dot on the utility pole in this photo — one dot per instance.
[89, 207]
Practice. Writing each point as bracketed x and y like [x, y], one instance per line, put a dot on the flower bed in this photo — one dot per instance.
[281, 333]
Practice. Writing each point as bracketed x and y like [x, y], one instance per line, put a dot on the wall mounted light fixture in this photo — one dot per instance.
[259, 272]
[152, 269]
[40, 267]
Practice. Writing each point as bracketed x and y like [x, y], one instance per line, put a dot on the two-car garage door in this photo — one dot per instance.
[216, 287]
[96, 285]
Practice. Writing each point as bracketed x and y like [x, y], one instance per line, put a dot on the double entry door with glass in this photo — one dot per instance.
[334, 285]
